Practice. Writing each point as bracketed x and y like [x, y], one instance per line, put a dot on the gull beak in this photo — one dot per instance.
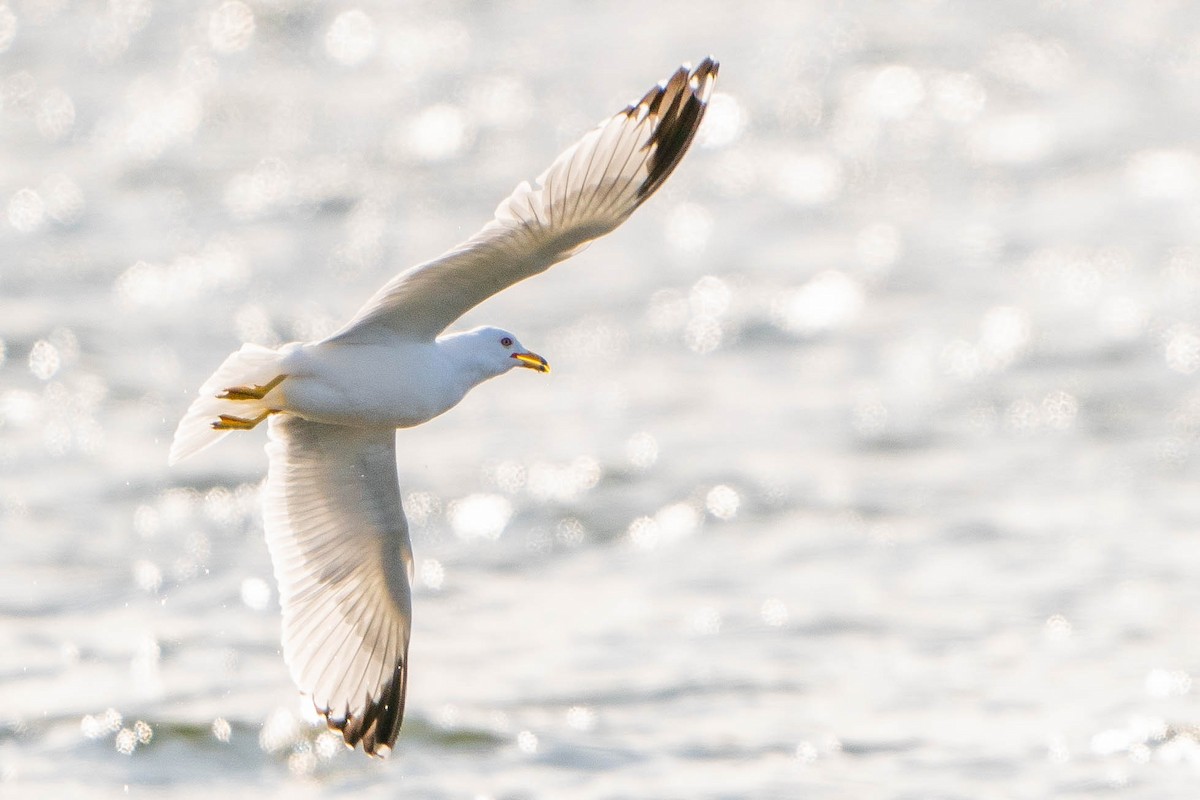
[532, 361]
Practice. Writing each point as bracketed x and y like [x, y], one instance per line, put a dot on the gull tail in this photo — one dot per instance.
[251, 366]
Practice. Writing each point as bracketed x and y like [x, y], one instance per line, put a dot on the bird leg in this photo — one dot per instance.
[229, 423]
[250, 392]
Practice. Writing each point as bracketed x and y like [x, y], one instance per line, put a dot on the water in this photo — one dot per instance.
[867, 467]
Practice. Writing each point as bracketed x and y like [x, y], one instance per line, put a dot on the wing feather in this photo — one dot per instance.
[339, 543]
[587, 191]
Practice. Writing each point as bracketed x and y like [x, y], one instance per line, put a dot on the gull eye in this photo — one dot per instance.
[506, 341]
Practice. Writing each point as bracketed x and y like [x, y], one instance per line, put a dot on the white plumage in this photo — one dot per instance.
[334, 523]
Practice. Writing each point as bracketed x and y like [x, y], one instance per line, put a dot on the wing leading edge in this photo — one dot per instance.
[588, 191]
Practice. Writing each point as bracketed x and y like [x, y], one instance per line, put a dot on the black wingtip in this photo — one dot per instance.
[379, 724]
[705, 75]
[680, 103]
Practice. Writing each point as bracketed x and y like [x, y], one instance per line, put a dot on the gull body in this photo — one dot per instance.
[332, 514]
[410, 382]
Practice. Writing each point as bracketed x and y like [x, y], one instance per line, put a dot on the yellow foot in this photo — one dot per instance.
[228, 423]
[250, 392]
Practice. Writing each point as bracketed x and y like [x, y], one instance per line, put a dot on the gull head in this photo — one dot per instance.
[495, 351]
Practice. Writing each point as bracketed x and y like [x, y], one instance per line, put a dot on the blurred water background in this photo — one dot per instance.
[868, 464]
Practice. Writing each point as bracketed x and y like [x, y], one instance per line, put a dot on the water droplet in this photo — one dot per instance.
[1059, 410]
[147, 576]
[437, 133]
[554, 483]
[895, 92]
[644, 533]
[55, 115]
[256, 593]
[1058, 627]
[1004, 333]
[162, 115]
[703, 334]
[44, 361]
[231, 27]
[146, 521]
[723, 122]
[642, 450]
[581, 718]
[433, 574]
[677, 521]
[94, 727]
[1166, 683]
[806, 753]
[329, 745]
[447, 716]
[64, 200]
[1057, 751]
[570, 532]
[351, 39]
[527, 741]
[722, 502]
[829, 301]
[420, 507]
[280, 730]
[126, 741]
[302, 762]
[1182, 350]
[26, 211]
[479, 516]
[17, 92]
[870, 418]
[710, 296]
[774, 612]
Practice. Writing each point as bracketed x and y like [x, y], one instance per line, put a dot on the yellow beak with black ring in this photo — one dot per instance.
[532, 361]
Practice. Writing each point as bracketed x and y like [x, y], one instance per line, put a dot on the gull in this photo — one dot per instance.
[334, 524]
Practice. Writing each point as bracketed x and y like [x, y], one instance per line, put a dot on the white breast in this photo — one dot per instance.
[370, 385]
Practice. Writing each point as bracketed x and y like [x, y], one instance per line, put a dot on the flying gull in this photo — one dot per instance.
[334, 523]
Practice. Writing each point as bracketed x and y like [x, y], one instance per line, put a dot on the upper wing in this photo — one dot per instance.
[588, 191]
[339, 542]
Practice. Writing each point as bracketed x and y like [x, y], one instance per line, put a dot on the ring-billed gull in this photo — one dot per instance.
[332, 513]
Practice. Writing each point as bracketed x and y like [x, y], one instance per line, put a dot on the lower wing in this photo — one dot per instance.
[339, 543]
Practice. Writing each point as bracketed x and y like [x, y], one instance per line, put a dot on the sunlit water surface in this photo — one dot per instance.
[867, 468]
